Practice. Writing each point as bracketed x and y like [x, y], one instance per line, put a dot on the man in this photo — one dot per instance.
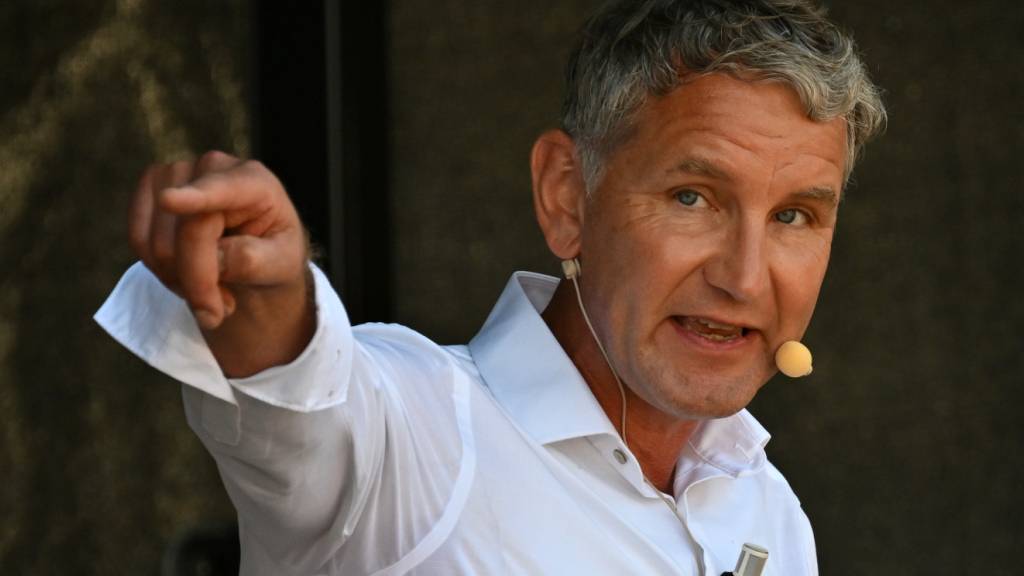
[593, 426]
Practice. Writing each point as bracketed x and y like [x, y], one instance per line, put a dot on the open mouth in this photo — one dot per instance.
[711, 330]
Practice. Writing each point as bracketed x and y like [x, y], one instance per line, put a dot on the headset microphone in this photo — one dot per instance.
[793, 359]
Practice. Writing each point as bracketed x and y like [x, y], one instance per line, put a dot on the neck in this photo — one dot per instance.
[654, 437]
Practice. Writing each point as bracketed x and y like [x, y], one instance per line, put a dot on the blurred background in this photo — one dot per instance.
[402, 129]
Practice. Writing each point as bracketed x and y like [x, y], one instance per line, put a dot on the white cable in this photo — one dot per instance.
[622, 391]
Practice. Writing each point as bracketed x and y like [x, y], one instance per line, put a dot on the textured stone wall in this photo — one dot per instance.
[99, 471]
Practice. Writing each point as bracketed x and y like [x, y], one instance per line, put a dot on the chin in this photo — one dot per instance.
[707, 398]
[710, 411]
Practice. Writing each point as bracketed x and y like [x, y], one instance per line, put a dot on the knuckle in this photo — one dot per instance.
[180, 165]
[254, 166]
[259, 172]
[210, 160]
[245, 260]
[268, 182]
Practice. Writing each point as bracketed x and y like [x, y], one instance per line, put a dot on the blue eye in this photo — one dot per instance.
[687, 197]
[791, 216]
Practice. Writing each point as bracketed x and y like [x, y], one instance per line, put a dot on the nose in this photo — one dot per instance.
[739, 267]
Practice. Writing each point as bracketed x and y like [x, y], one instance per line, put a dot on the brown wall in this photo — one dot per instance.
[903, 445]
[98, 471]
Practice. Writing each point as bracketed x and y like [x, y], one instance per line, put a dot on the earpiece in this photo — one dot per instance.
[571, 269]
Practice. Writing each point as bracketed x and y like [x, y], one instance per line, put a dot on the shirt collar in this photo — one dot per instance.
[733, 445]
[527, 370]
[531, 376]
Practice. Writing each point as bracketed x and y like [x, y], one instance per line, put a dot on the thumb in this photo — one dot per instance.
[261, 261]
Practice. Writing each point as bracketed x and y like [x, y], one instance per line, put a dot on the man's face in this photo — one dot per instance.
[705, 244]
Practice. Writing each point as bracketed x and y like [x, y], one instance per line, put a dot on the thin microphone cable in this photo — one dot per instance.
[622, 390]
[572, 270]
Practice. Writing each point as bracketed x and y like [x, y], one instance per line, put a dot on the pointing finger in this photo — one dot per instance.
[248, 186]
[215, 161]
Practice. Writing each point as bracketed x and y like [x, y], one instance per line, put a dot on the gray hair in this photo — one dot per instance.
[634, 49]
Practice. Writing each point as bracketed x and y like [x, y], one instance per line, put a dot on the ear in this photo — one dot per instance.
[558, 192]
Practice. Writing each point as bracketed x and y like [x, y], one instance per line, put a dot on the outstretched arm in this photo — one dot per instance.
[340, 449]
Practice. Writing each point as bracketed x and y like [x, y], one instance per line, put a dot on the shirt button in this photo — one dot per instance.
[620, 456]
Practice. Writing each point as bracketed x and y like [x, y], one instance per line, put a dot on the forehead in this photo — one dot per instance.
[736, 120]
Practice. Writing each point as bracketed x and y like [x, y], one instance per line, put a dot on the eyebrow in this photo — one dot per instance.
[703, 167]
[820, 193]
[700, 167]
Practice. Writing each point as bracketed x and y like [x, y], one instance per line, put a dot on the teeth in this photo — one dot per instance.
[712, 336]
[716, 325]
[713, 330]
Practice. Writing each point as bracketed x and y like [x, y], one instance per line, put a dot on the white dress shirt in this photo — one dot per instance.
[380, 452]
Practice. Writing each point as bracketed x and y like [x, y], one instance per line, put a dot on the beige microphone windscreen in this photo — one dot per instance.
[793, 359]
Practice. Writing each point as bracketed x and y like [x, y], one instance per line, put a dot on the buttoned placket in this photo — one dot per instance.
[622, 460]
[700, 473]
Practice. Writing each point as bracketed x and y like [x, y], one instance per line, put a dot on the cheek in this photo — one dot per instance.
[641, 251]
[798, 276]
[626, 269]
[623, 239]
[802, 253]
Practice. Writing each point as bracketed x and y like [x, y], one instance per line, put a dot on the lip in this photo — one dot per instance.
[749, 334]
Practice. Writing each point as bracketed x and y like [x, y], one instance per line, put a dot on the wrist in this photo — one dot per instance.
[271, 326]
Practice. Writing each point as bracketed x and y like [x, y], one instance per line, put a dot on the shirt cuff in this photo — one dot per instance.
[157, 326]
